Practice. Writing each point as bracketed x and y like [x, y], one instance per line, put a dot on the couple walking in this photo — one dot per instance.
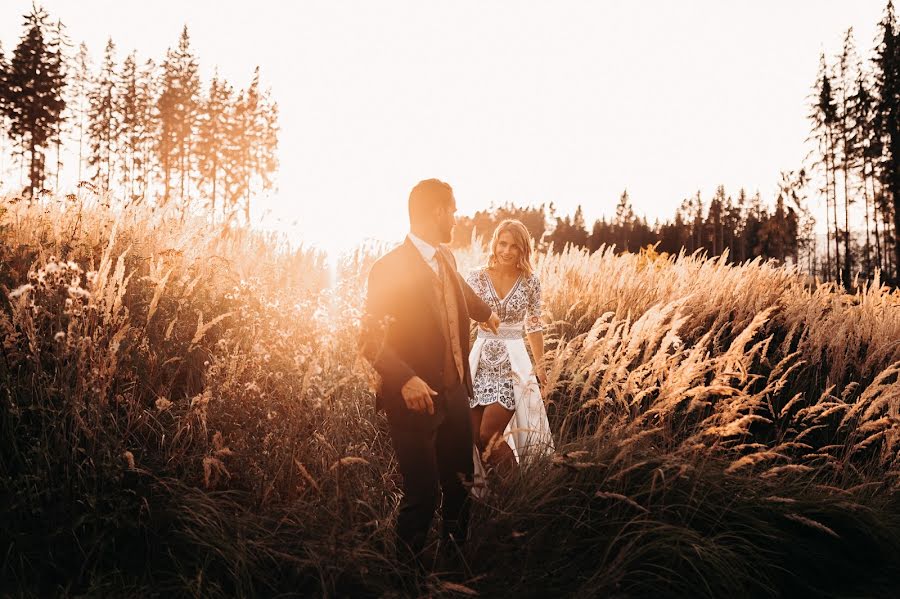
[440, 398]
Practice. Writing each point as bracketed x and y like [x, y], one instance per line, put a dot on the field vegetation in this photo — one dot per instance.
[184, 412]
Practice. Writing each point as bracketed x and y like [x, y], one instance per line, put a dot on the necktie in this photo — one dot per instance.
[452, 307]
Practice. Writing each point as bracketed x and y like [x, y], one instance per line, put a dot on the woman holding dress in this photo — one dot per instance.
[509, 421]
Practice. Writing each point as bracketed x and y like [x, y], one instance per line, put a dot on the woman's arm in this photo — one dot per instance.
[534, 328]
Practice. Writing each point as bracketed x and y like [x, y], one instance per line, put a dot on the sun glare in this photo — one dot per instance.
[340, 226]
[336, 235]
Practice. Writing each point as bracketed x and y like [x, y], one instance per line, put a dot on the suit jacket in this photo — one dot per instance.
[402, 334]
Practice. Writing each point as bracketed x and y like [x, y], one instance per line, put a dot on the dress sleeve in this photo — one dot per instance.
[472, 280]
[533, 322]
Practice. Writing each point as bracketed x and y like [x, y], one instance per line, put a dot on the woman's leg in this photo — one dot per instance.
[491, 440]
[476, 414]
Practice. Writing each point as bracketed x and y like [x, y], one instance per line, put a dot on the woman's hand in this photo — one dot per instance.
[492, 324]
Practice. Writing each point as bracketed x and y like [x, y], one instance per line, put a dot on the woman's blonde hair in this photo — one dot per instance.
[522, 240]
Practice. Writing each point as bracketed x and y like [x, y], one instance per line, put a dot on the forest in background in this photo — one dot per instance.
[144, 130]
[850, 182]
[137, 129]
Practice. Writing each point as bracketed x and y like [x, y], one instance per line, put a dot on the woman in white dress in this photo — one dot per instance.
[509, 421]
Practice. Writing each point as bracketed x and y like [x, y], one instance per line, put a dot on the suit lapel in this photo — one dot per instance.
[424, 278]
[454, 281]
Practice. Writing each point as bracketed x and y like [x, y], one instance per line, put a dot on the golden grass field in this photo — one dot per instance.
[184, 412]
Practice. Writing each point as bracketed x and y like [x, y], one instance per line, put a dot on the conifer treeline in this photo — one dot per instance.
[145, 131]
[855, 118]
[152, 132]
[856, 126]
[742, 225]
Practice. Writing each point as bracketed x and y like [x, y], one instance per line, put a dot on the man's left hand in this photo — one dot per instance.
[492, 324]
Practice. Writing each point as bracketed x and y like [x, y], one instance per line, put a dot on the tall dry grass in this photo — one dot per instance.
[694, 355]
[184, 412]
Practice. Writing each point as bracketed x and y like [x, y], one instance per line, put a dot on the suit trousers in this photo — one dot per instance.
[434, 454]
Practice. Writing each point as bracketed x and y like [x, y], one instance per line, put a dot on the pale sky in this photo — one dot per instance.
[527, 102]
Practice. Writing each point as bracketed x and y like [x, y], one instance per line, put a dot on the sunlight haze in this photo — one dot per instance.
[530, 103]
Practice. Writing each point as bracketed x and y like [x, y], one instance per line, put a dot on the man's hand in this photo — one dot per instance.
[417, 395]
[492, 324]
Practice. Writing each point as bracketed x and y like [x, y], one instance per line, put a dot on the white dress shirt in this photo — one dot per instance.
[428, 252]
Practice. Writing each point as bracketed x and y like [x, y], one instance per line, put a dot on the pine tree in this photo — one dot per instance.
[624, 223]
[887, 63]
[800, 233]
[578, 233]
[845, 151]
[129, 115]
[731, 226]
[560, 236]
[251, 155]
[266, 159]
[600, 235]
[146, 127]
[236, 156]
[104, 123]
[137, 111]
[697, 210]
[714, 222]
[246, 136]
[80, 83]
[189, 78]
[862, 107]
[4, 92]
[753, 227]
[824, 118]
[34, 102]
[213, 137]
[60, 46]
[166, 108]
[178, 108]
[775, 233]
[741, 216]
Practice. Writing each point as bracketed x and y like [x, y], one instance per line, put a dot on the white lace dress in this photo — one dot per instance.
[502, 371]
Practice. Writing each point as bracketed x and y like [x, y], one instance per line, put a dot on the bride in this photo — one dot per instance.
[509, 422]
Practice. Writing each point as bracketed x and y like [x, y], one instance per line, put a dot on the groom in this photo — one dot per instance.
[415, 332]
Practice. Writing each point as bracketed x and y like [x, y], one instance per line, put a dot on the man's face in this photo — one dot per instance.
[446, 220]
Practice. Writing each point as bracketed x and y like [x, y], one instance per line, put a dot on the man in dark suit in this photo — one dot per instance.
[415, 333]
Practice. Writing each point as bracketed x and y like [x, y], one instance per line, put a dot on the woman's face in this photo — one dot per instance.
[507, 252]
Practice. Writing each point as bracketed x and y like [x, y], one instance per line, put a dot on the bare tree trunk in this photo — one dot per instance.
[889, 233]
[847, 255]
[827, 229]
[58, 164]
[868, 251]
[167, 170]
[827, 216]
[215, 172]
[80, 145]
[837, 247]
[868, 175]
[181, 175]
[2, 153]
[32, 176]
[896, 228]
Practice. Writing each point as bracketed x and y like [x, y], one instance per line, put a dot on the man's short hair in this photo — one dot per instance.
[426, 196]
